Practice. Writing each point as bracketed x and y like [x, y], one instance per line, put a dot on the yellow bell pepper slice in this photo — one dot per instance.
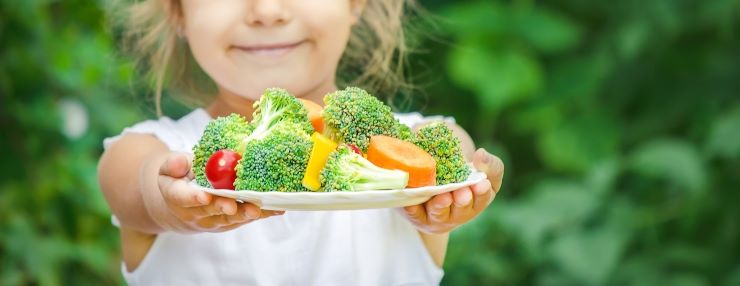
[322, 147]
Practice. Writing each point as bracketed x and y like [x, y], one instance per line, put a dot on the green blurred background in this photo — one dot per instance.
[619, 122]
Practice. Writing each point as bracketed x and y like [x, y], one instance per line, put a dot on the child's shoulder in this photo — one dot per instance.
[178, 134]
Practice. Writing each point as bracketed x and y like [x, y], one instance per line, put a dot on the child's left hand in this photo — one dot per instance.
[444, 212]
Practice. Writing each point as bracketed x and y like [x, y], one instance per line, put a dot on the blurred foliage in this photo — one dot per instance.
[62, 91]
[619, 124]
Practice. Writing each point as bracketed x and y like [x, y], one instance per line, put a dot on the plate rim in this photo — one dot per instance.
[341, 200]
[472, 179]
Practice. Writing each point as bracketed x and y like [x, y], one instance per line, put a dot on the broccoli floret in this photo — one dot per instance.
[275, 154]
[275, 162]
[437, 139]
[352, 116]
[222, 133]
[277, 106]
[404, 132]
[277, 134]
[345, 170]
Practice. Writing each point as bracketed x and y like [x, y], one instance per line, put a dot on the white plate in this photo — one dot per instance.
[315, 201]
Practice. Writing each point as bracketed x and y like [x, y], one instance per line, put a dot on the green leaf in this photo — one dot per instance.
[538, 117]
[550, 205]
[602, 177]
[724, 138]
[589, 256]
[674, 160]
[579, 77]
[632, 38]
[546, 30]
[499, 76]
[733, 278]
[476, 18]
[688, 279]
[578, 144]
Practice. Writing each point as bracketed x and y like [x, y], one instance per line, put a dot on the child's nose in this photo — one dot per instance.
[267, 13]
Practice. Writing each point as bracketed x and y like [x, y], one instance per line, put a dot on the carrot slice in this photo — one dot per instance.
[391, 153]
[314, 114]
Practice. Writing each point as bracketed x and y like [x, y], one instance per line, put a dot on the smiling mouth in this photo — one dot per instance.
[270, 50]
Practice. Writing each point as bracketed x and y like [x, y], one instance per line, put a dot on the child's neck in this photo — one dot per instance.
[228, 102]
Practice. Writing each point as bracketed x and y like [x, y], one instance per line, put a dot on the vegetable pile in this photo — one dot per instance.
[352, 144]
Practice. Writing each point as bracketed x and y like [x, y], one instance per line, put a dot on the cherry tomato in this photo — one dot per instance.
[354, 148]
[221, 169]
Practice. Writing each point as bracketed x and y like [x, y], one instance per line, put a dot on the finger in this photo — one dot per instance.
[269, 213]
[230, 227]
[179, 193]
[239, 217]
[491, 165]
[438, 208]
[217, 208]
[226, 206]
[206, 211]
[416, 213]
[213, 223]
[190, 175]
[223, 222]
[189, 156]
[247, 213]
[462, 197]
[483, 195]
[252, 211]
[462, 207]
[176, 165]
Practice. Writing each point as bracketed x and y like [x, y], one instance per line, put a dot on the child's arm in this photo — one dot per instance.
[147, 188]
[442, 213]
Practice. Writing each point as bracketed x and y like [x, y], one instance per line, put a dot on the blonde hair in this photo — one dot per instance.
[374, 58]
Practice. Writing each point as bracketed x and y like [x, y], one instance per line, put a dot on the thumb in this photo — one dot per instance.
[491, 165]
[180, 193]
[177, 165]
[190, 173]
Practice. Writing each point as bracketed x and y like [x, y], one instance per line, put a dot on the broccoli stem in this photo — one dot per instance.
[372, 177]
[266, 122]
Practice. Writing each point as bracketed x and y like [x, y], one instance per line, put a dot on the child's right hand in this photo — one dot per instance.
[192, 210]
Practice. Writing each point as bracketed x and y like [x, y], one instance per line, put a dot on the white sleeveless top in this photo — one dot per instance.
[362, 247]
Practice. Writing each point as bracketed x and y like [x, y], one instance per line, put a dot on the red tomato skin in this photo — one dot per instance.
[221, 169]
[354, 148]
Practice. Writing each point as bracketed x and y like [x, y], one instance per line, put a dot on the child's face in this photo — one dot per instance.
[246, 46]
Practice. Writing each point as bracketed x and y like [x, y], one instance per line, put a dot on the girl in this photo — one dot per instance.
[174, 234]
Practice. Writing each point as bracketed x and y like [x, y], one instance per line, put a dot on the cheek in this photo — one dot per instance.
[206, 30]
[331, 30]
[204, 49]
[329, 23]
[211, 18]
